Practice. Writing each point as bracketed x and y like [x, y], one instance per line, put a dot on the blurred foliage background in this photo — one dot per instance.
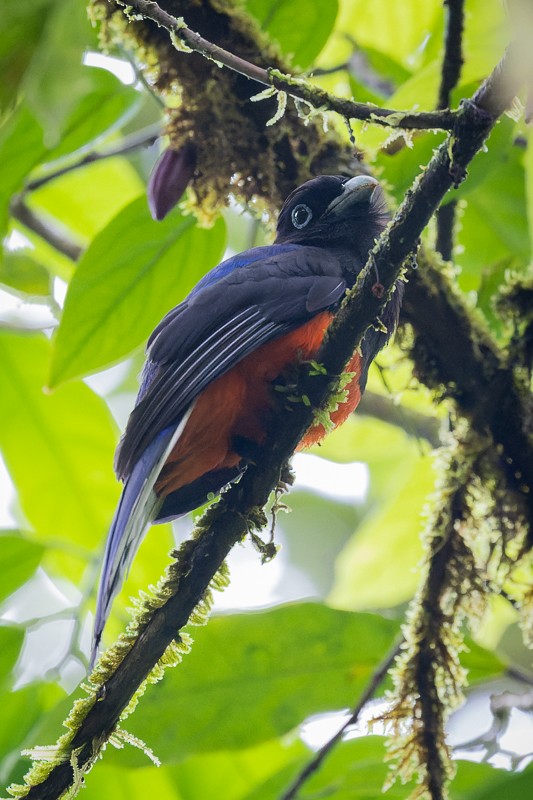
[85, 275]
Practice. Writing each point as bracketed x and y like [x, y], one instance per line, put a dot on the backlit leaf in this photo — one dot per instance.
[58, 447]
[134, 271]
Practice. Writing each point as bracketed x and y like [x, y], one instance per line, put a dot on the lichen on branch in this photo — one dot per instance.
[472, 542]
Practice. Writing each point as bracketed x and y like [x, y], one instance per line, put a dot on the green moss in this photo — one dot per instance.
[237, 148]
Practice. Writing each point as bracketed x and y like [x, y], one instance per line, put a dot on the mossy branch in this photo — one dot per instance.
[141, 652]
[294, 86]
[428, 677]
[453, 351]
[469, 540]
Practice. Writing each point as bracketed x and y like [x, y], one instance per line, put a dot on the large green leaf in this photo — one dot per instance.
[134, 271]
[300, 27]
[253, 676]
[58, 447]
[226, 775]
[19, 558]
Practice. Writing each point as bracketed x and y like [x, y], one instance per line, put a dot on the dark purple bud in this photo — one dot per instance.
[169, 179]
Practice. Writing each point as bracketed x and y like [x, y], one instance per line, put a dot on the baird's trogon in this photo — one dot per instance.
[207, 385]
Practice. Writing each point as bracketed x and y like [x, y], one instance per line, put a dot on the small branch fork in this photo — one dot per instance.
[229, 521]
[296, 87]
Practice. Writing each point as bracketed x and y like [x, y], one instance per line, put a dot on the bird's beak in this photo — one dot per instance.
[355, 190]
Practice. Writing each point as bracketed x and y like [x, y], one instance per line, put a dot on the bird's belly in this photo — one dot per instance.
[238, 403]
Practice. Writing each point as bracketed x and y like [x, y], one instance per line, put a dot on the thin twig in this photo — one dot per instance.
[378, 676]
[451, 71]
[46, 230]
[296, 87]
[420, 426]
[134, 141]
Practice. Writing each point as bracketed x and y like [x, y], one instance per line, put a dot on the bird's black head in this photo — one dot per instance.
[335, 212]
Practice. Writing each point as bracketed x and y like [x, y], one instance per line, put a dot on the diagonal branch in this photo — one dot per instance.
[414, 423]
[296, 87]
[133, 141]
[378, 676]
[239, 509]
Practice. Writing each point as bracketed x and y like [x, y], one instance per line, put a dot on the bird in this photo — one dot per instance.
[206, 391]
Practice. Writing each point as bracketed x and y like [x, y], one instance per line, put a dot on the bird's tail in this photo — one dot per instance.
[138, 506]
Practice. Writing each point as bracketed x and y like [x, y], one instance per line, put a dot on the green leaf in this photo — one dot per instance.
[486, 34]
[19, 558]
[20, 271]
[400, 169]
[301, 28]
[365, 579]
[233, 774]
[21, 30]
[21, 149]
[58, 447]
[133, 273]
[126, 784]
[357, 770]
[420, 91]
[57, 78]
[481, 664]
[10, 643]
[495, 156]
[399, 30]
[492, 224]
[390, 72]
[20, 711]
[501, 784]
[250, 677]
[224, 775]
[87, 199]
[105, 105]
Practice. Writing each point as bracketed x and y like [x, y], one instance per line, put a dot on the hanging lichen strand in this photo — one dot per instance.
[473, 538]
[212, 106]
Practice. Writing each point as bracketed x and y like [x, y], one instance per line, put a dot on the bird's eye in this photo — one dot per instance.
[301, 216]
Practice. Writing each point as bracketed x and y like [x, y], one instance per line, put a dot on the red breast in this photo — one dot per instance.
[238, 404]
